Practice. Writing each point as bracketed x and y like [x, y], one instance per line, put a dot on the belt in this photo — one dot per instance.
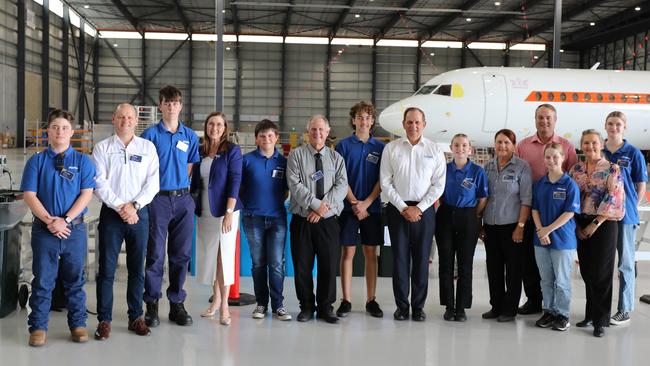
[76, 221]
[175, 192]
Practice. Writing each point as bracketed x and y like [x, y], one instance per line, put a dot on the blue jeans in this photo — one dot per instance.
[626, 247]
[555, 268]
[48, 251]
[266, 238]
[112, 231]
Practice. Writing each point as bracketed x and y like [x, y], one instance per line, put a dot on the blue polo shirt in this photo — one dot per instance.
[56, 190]
[362, 162]
[465, 186]
[175, 151]
[553, 199]
[633, 170]
[264, 184]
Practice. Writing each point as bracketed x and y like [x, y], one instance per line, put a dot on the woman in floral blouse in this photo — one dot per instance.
[602, 203]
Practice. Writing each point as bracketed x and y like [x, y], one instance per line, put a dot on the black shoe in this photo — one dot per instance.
[460, 316]
[178, 314]
[344, 309]
[584, 323]
[418, 315]
[401, 314]
[490, 315]
[561, 323]
[599, 331]
[305, 316]
[372, 308]
[530, 308]
[151, 315]
[505, 318]
[546, 321]
[328, 316]
[449, 314]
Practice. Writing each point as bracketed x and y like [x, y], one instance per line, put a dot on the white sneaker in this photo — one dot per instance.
[282, 314]
[259, 312]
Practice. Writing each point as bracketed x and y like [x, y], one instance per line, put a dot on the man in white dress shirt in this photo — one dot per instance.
[412, 175]
[127, 180]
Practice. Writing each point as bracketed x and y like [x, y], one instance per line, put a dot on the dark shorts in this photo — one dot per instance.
[371, 230]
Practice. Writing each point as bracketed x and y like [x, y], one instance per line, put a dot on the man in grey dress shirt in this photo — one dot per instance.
[318, 184]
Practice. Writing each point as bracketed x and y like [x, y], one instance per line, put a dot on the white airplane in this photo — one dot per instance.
[481, 101]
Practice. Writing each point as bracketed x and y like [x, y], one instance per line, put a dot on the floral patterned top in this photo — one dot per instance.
[603, 192]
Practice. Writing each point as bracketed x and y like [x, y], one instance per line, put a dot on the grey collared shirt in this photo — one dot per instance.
[509, 189]
[301, 166]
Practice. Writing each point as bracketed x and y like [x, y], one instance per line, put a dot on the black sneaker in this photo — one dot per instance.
[546, 321]
[178, 314]
[460, 315]
[584, 323]
[620, 318]
[561, 323]
[449, 314]
[151, 315]
[344, 309]
[372, 308]
[530, 307]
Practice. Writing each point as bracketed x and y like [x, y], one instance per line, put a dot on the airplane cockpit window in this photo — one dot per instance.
[426, 89]
[443, 90]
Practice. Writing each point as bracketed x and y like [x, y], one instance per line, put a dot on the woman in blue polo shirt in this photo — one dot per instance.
[215, 184]
[458, 225]
[556, 199]
[635, 176]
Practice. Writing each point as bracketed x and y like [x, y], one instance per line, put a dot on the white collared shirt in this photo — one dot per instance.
[126, 174]
[412, 173]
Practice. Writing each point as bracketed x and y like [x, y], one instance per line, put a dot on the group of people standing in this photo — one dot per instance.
[152, 187]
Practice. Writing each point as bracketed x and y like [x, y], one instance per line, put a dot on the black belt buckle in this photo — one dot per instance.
[175, 192]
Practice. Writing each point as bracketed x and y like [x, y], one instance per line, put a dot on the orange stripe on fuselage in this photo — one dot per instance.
[587, 97]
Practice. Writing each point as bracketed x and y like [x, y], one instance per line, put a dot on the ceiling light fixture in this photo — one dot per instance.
[592, 24]
[432, 54]
[357, 16]
[114, 44]
[86, 6]
[638, 8]
[497, 3]
[468, 19]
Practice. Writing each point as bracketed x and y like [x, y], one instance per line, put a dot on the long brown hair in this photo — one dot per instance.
[223, 141]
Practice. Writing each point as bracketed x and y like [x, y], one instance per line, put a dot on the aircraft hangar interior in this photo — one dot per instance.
[483, 69]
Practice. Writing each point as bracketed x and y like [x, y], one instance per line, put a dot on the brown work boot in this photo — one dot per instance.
[37, 338]
[138, 326]
[79, 334]
[103, 331]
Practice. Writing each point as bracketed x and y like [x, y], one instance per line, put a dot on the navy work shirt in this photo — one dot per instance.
[552, 200]
[464, 187]
[264, 184]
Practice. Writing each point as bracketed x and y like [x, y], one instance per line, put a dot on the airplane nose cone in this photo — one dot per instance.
[390, 118]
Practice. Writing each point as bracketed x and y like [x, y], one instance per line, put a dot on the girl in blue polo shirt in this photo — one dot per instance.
[556, 199]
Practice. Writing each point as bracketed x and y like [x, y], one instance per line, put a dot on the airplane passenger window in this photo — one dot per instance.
[551, 96]
[562, 96]
[599, 97]
[574, 96]
[426, 89]
[443, 90]
[587, 96]
[623, 98]
[538, 95]
[647, 98]
[635, 98]
[612, 97]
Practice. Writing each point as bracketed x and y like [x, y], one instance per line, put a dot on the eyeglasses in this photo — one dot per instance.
[58, 162]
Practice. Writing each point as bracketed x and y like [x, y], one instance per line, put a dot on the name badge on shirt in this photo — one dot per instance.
[182, 145]
[467, 184]
[317, 176]
[372, 158]
[277, 173]
[135, 158]
[66, 174]
[559, 195]
[623, 162]
[509, 178]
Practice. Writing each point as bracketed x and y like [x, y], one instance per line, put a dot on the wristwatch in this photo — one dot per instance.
[596, 222]
[521, 224]
[67, 219]
[136, 205]
[229, 210]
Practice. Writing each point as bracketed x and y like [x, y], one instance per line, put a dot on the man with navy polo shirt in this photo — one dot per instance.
[360, 220]
[263, 191]
[172, 209]
[58, 185]
[127, 180]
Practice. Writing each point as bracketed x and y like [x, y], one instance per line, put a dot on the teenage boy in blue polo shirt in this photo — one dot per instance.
[362, 206]
[263, 191]
[58, 185]
[172, 209]
[556, 199]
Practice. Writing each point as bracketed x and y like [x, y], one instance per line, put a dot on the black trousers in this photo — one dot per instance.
[596, 255]
[307, 242]
[502, 253]
[529, 271]
[456, 237]
[411, 243]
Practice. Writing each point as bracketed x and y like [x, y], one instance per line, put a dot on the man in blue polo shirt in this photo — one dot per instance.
[172, 209]
[263, 191]
[360, 220]
[58, 185]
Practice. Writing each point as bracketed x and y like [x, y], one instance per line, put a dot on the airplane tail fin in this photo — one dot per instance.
[595, 66]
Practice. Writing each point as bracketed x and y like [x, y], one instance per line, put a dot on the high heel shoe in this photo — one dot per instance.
[209, 312]
[225, 319]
